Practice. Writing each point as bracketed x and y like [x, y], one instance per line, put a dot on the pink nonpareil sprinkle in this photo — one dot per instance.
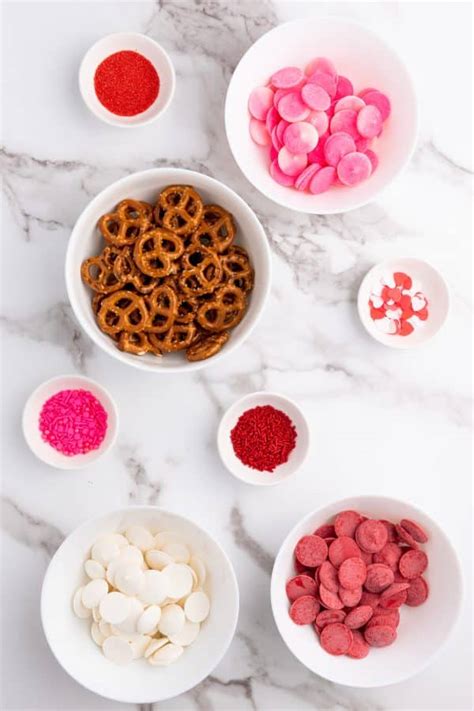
[73, 422]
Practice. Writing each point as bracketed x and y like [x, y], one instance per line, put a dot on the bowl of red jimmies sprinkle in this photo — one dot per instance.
[127, 79]
[263, 438]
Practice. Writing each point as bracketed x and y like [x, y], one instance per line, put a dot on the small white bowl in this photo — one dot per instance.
[283, 471]
[86, 241]
[433, 287]
[360, 55]
[140, 683]
[31, 415]
[422, 631]
[135, 42]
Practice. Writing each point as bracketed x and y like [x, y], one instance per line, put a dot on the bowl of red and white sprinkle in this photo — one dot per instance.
[403, 302]
[263, 438]
[321, 115]
[127, 79]
[70, 421]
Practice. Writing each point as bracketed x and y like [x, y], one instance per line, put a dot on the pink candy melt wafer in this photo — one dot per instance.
[304, 178]
[291, 107]
[300, 137]
[287, 78]
[320, 121]
[345, 121]
[291, 163]
[259, 132]
[355, 103]
[382, 102]
[315, 97]
[353, 168]
[279, 176]
[337, 146]
[260, 102]
[322, 180]
[369, 121]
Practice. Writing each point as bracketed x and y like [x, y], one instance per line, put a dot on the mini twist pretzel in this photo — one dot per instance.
[122, 227]
[207, 346]
[217, 229]
[225, 310]
[127, 272]
[187, 308]
[237, 269]
[136, 343]
[179, 337]
[100, 277]
[156, 250]
[179, 208]
[122, 311]
[162, 307]
[202, 271]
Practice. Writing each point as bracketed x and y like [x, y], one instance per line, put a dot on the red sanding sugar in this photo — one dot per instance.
[126, 83]
[263, 438]
[73, 422]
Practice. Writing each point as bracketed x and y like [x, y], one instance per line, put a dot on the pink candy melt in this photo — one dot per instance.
[73, 422]
[317, 131]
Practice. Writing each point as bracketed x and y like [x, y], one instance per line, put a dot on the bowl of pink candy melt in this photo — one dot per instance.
[321, 115]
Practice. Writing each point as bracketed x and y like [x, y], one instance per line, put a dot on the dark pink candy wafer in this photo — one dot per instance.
[354, 168]
[300, 585]
[325, 531]
[279, 176]
[389, 555]
[322, 180]
[413, 563]
[345, 121]
[369, 121]
[415, 530]
[325, 81]
[342, 548]
[328, 576]
[358, 617]
[418, 592]
[373, 158]
[317, 156]
[376, 98]
[303, 611]
[371, 535]
[344, 87]
[336, 638]
[362, 144]
[337, 146]
[359, 647]
[304, 178]
[291, 107]
[330, 599]
[329, 617]
[352, 573]
[350, 598]
[311, 551]
[287, 78]
[346, 522]
[315, 97]
[379, 577]
[380, 635]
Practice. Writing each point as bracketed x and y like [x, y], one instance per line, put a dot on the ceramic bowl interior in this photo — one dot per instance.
[86, 241]
[69, 637]
[358, 54]
[422, 630]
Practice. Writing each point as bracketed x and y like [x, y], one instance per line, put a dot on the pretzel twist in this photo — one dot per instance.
[122, 311]
[130, 219]
[156, 250]
[225, 310]
[179, 208]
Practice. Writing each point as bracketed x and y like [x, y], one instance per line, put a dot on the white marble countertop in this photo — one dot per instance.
[383, 421]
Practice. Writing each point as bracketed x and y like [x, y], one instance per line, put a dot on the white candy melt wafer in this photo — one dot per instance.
[172, 620]
[93, 593]
[168, 654]
[94, 569]
[186, 635]
[129, 579]
[179, 580]
[140, 537]
[155, 587]
[196, 607]
[177, 551]
[157, 560]
[148, 620]
[114, 607]
[78, 607]
[117, 650]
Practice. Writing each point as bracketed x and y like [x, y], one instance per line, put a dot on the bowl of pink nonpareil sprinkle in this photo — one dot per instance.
[70, 421]
[321, 115]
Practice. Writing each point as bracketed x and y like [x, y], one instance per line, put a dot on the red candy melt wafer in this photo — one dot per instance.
[389, 555]
[350, 598]
[325, 531]
[328, 576]
[304, 609]
[328, 617]
[330, 599]
[352, 573]
[379, 577]
[336, 638]
[300, 585]
[371, 535]
[413, 563]
[359, 648]
[342, 548]
[418, 592]
[406, 537]
[346, 522]
[414, 529]
[380, 635]
[311, 551]
[358, 617]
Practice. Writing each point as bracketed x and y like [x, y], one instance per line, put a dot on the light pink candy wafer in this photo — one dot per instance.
[369, 121]
[291, 107]
[365, 91]
[373, 158]
[355, 103]
[259, 133]
[300, 137]
[304, 178]
[382, 102]
[315, 97]
[279, 176]
[278, 95]
[322, 180]
[260, 101]
[345, 121]
[287, 78]
[320, 121]
[276, 143]
[327, 81]
[292, 163]
[337, 146]
[321, 64]
[273, 117]
[353, 168]
[344, 87]
[281, 128]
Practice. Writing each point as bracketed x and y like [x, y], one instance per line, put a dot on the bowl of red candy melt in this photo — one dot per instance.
[365, 591]
[70, 421]
[127, 79]
[263, 438]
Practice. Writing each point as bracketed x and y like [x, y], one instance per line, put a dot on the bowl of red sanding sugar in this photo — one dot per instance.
[70, 421]
[127, 79]
[263, 438]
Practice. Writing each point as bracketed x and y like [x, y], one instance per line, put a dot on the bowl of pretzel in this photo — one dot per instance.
[168, 270]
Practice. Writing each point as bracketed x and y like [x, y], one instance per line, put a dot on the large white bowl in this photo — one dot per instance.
[139, 683]
[86, 241]
[361, 56]
[422, 631]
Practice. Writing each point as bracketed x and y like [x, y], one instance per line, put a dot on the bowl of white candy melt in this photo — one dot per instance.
[139, 605]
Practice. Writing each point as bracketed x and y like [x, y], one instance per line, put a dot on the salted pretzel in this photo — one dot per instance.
[225, 310]
[207, 346]
[96, 301]
[127, 272]
[130, 219]
[179, 337]
[216, 230]
[156, 250]
[122, 311]
[99, 276]
[162, 308]
[136, 343]
[179, 208]
[187, 308]
[202, 271]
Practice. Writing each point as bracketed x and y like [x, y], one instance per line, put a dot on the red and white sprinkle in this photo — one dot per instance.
[397, 304]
